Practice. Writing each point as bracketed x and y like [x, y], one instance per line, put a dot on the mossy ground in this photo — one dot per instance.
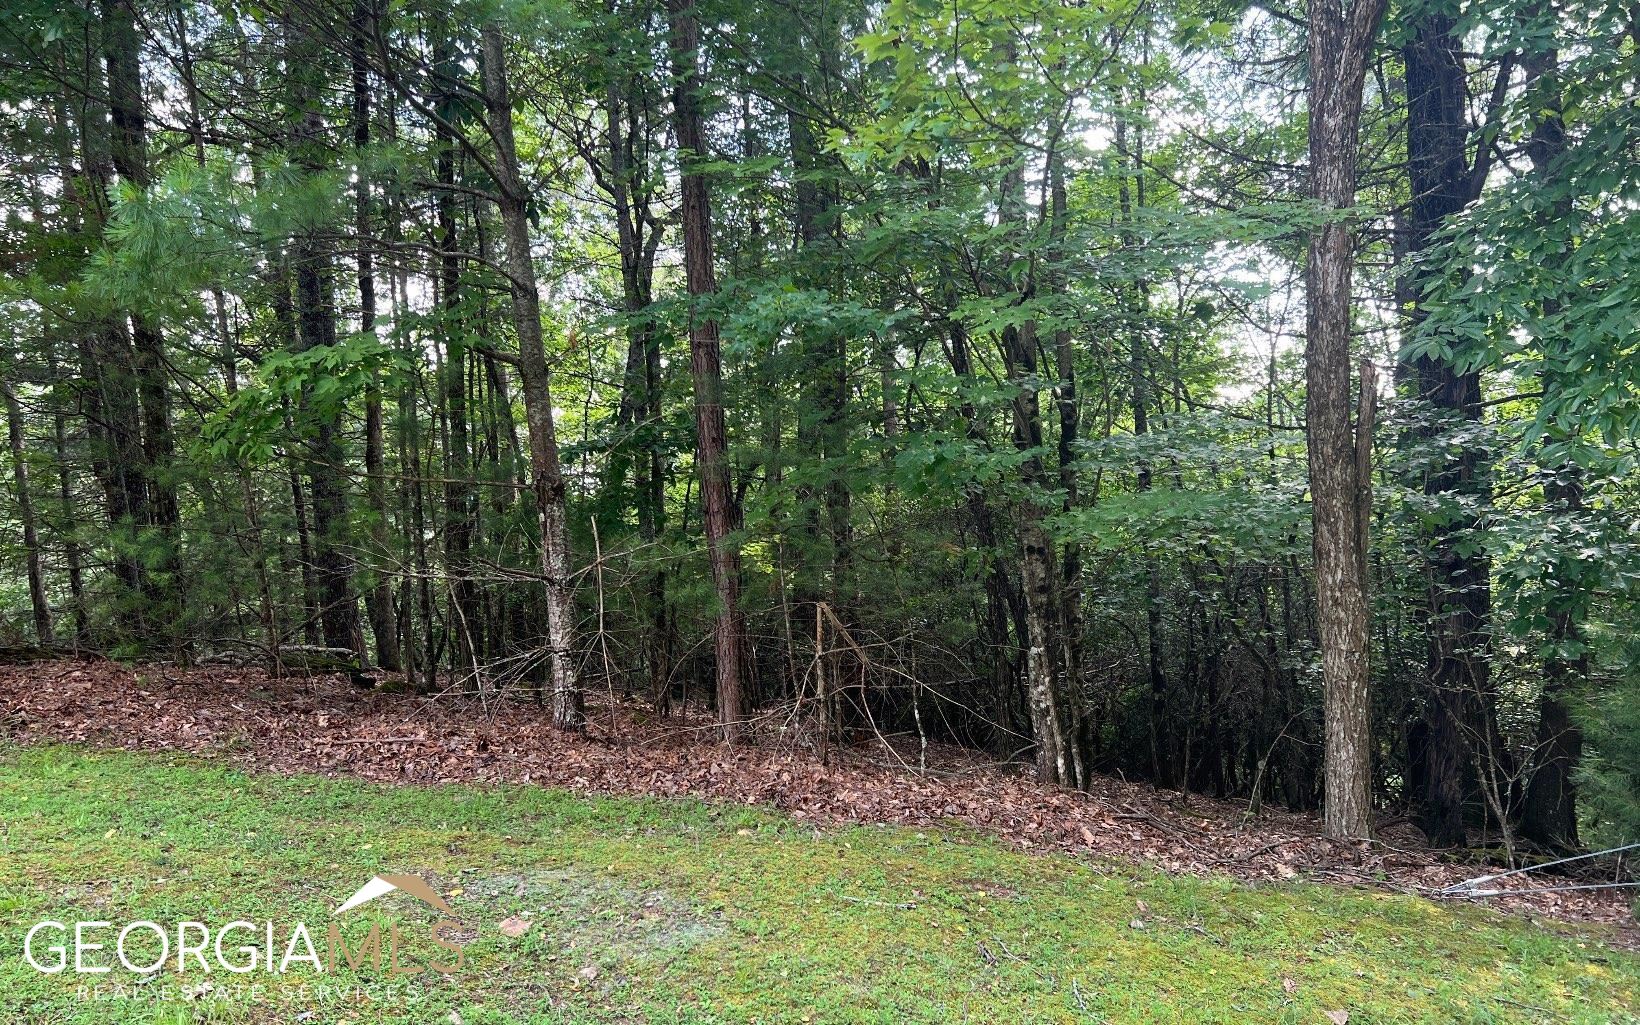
[683, 912]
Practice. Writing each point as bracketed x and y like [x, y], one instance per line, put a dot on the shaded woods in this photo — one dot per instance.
[1235, 398]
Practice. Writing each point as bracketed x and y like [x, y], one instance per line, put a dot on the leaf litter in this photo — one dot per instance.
[324, 724]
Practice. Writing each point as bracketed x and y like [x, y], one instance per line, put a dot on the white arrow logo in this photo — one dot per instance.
[380, 885]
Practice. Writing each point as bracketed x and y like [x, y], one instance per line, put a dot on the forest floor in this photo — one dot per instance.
[1160, 878]
[323, 724]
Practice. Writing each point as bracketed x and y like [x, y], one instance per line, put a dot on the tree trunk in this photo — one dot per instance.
[1339, 44]
[536, 384]
[67, 513]
[706, 366]
[379, 599]
[129, 152]
[826, 364]
[638, 237]
[112, 406]
[460, 504]
[25, 514]
[1550, 813]
[311, 266]
[312, 607]
[1164, 736]
[1052, 721]
[1065, 399]
[1458, 603]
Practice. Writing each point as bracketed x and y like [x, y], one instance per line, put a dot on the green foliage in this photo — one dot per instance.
[320, 382]
[1610, 773]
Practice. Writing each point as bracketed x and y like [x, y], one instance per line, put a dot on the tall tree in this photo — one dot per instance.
[1458, 595]
[127, 109]
[38, 601]
[1340, 43]
[512, 199]
[1058, 758]
[706, 364]
[379, 599]
[460, 509]
[1550, 813]
[313, 268]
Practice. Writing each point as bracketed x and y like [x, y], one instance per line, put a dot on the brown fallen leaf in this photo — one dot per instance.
[515, 927]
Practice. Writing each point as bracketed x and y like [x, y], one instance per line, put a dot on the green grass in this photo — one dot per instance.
[678, 911]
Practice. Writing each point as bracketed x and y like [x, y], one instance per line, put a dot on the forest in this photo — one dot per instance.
[1239, 397]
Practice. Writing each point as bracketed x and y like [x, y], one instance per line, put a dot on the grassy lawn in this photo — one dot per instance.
[677, 911]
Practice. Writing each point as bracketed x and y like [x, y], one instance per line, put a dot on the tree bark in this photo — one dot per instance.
[38, 601]
[638, 237]
[314, 273]
[706, 365]
[1340, 42]
[379, 599]
[1550, 812]
[536, 384]
[1052, 723]
[1458, 588]
[126, 106]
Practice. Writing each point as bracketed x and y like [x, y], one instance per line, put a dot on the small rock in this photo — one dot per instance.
[514, 927]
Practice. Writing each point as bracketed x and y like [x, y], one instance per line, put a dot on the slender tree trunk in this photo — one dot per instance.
[826, 371]
[129, 151]
[312, 267]
[1065, 399]
[706, 366]
[532, 364]
[68, 513]
[379, 598]
[1340, 42]
[460, 507]
[1550, 812]
[38, 601]
[1002, 601]
[1058, 759]
[312, 603]
[1164, 757]
[284, 320]
[1052, 727]
[638, 238]
[112, 407]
